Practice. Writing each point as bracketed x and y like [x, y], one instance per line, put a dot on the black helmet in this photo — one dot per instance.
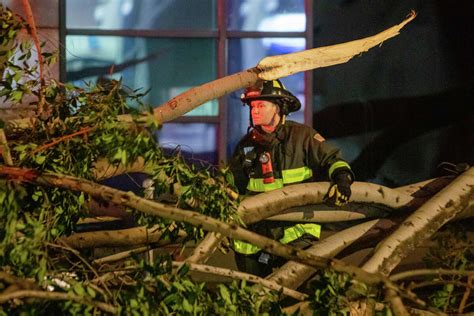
[273, 91]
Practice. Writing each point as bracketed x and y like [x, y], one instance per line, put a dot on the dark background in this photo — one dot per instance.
[400, 110]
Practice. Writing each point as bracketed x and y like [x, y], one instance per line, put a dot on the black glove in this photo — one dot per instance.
[340, 191]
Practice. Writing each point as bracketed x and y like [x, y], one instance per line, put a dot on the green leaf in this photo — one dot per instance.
[79, 289]
[186, 306]
[40, 159]
[225, 294]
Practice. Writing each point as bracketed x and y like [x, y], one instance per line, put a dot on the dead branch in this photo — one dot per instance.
[419, 226]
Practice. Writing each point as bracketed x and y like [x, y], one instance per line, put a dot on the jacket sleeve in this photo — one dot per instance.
[236, 166]
[325, 157]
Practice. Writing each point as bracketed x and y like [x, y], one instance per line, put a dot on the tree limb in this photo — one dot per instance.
[423, 272]
[205, 248]
[205, 222]
[242, 276]
[258, 207]
[271, 68]
[117, 238]
[423, 223]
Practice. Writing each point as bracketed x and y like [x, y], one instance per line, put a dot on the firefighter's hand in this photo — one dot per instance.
[340, 191]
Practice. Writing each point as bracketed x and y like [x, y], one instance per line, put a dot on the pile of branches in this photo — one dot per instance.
[50, 182]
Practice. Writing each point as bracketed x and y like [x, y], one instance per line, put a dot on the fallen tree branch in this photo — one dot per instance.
[205, 222]
[117, 238]
[237, 275]
[205, 248]
[419, 226]
[424, 272]
[274, 67]
[258, 207]
[262, 206]
[271, 68]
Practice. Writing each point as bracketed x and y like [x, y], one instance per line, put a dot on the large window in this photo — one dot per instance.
[169, 46]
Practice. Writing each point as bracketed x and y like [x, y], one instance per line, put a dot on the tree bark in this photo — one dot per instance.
[116, 238]
[258, 207]
[444, 206]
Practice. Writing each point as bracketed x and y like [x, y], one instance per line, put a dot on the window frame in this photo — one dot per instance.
[221, 35]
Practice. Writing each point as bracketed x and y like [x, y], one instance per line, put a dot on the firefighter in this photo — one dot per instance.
[274, 153]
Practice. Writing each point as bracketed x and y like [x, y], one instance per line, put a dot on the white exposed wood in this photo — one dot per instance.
[205, 248]
[445, 205]
[293, 274]
[275, 67]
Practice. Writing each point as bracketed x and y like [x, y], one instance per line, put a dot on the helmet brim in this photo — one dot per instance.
[293, 103]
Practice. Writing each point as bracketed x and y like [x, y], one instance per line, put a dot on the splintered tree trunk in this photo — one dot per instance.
[445, 205]
[271, 68]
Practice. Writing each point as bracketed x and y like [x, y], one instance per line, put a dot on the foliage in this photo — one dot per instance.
[81, 127]
[333, 293]
[452, 251]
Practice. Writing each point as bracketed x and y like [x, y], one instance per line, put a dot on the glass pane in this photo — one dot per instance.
[266, 15]
[141, 14]
[165, 66]
[246, 53]
[197, 141]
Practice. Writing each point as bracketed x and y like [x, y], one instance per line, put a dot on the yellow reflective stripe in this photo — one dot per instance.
[289, 176]
[296, 175]
[245, 248]
[295, 232]
[291, 234]
[257, 185]
[336, 165]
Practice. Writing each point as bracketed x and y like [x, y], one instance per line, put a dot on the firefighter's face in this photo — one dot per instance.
[264, 113]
